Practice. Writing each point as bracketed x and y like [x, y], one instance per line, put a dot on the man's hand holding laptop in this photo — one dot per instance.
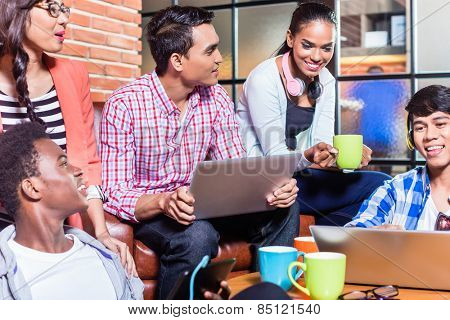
[179, 205]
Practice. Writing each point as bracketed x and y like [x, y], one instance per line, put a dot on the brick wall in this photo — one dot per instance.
[106, 34]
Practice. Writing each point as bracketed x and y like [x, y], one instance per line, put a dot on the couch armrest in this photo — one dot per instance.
[120, 230]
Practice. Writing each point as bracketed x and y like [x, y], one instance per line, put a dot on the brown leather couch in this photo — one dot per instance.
[147, 262]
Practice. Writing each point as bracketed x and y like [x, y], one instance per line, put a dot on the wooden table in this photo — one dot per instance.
[242, 282]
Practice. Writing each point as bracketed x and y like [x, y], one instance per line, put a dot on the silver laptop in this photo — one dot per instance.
[416, 259]
[237, 186]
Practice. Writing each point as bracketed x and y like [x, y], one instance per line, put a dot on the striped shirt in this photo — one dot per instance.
[399, 201]
[147, 149]
[46, 107]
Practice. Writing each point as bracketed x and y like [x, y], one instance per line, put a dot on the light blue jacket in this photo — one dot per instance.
[261, 113]
[14, 287]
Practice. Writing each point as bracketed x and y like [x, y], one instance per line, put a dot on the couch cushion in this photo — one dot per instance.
[147, 262]
[119, 230]
[150, 289]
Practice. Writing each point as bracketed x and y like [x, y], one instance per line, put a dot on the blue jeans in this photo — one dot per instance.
[181, 247]
[333, 197]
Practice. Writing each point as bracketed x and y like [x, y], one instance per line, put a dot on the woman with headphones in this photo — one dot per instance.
[288, 104]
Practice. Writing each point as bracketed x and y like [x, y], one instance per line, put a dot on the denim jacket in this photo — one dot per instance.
[14, 287]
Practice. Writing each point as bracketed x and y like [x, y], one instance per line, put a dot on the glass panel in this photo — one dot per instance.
[376, 109]
[202, 3]
[148, 64]
[229, 89]
[419, 156]
[155, 5]
[261, 31]
[433, 34]
[239, 88]
[374, 36]
[422, 83]
[391, 170]
[222, 24]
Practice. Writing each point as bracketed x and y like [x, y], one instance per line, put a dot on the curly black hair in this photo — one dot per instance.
[18, 161]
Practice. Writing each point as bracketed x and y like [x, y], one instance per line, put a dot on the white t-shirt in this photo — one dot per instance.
[77, 274]
[429, 216]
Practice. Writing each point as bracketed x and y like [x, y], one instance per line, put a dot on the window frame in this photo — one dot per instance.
[413, 75]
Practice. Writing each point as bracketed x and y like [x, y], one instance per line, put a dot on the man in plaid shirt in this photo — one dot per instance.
[418, 199]
[157, 129]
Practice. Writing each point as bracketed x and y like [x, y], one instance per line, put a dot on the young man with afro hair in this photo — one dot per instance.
[39, 258]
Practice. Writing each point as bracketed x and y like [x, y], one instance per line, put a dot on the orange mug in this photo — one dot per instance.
[305, 244]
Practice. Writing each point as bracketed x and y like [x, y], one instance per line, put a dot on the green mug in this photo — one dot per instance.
[350, 148]
[324, 275]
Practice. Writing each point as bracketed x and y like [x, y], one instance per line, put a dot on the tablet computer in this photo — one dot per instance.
[237, 186]
[207, 279]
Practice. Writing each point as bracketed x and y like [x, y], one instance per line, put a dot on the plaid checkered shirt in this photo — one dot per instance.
[146, 148]
[400, 201]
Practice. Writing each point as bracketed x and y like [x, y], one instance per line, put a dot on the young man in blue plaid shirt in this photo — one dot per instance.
[418, 199]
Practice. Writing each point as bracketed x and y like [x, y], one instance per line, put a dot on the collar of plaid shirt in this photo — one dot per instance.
[167, 105]
[423, 183]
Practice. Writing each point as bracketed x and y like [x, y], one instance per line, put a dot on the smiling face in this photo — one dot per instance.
[61, 186]
[432, 138]
[312, 47]
[44, 32]
[200, 66]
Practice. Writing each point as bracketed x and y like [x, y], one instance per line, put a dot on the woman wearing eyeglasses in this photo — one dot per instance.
[288, 104]
[53, 92]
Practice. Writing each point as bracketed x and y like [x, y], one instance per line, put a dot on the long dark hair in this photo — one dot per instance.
[305, 13]
[14, 16]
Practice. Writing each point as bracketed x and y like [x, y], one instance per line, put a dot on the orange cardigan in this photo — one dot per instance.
[71, 81]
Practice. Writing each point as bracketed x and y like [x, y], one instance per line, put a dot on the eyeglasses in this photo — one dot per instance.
[442, 223]
[54, 8]
[380, 293]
